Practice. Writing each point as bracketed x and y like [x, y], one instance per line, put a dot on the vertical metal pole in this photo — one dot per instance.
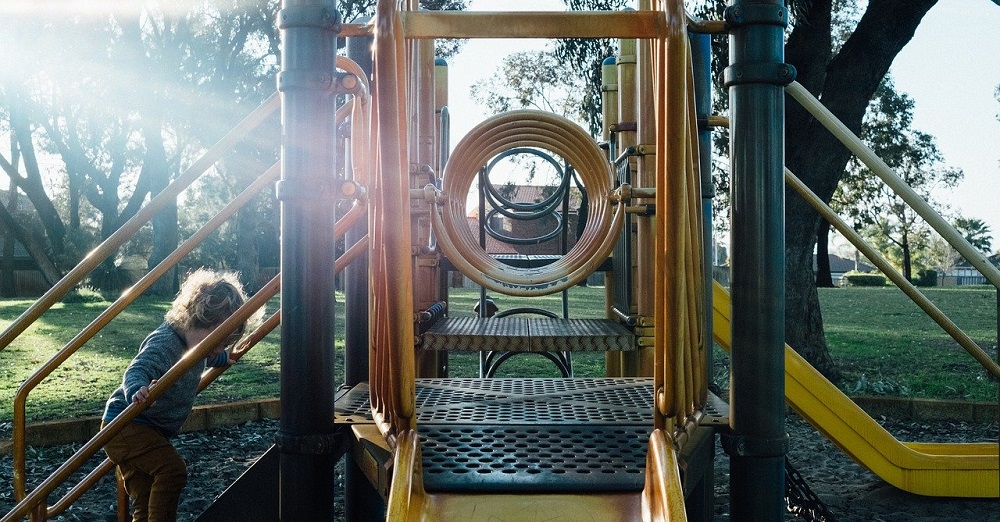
[361, 499]
[307, 192]
[701, 51]
[359, 49]
[755, 78]
[699, 505]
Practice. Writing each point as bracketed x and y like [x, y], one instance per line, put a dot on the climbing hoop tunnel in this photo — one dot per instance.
[519, 129]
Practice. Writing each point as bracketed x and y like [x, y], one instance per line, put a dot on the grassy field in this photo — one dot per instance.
[883, 343]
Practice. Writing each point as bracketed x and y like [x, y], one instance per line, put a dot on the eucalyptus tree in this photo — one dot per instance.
[841, 51]
[877, 211]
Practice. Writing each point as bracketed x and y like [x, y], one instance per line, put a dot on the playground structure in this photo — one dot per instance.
[423, 446]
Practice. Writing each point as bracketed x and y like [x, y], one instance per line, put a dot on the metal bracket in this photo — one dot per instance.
[317, 444]
[755, 14]
[742, 446]
[300, 190]
[774, 73]
[318, 80]
[317, 16]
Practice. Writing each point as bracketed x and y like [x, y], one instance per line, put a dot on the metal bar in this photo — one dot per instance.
[111, 244]
[307, 195]
[883, 171]
[701, 53]
[130, 295]
[758, 268]
[541, 24]
[890, 271]
[36, 497]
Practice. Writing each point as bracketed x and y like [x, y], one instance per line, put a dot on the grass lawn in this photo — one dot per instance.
[884, 344]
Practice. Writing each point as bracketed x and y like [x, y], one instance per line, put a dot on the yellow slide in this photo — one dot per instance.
[932, 469]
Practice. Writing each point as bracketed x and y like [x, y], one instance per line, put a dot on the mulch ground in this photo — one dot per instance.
[217, 457]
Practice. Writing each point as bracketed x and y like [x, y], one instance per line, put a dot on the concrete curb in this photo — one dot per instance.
[50, 433]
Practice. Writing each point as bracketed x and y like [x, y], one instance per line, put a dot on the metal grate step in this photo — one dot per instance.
[535, 459]
[520, 334]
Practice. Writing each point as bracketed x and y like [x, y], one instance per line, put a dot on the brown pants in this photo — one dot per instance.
[154, 473]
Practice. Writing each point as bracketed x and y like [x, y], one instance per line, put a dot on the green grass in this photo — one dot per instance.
[886, 345]
[883, 343]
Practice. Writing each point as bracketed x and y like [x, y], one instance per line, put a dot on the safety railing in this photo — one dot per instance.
[107, 248]
[358, 110]
[923, 209]
[680, 385]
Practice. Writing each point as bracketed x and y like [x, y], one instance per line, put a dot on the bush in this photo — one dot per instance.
[860, 279]
[926, 278]
[84, 294]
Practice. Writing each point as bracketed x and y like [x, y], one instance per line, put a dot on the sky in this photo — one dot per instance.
[950, 69]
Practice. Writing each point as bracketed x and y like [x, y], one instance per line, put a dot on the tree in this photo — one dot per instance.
[842, 62]
[876, 210]
[534, 79]
[976, 232]
[845, 79]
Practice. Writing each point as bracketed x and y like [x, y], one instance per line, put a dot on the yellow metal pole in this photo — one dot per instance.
[111, 244]
[21, 396]
[886, 267]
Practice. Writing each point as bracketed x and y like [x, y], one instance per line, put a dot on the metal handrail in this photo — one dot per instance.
[111, 244]
[102, 320]
[883, 264]
[883, 171]
[34, 499]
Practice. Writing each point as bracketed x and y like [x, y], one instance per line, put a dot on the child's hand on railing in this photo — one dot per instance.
[143, 393]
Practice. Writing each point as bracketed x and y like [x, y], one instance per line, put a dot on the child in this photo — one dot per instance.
[154, 472]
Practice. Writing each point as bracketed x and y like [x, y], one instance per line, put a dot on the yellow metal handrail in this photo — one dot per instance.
[392, 368]
[883, 264]
[680, 388]
[129, 296]
[883, 171]
[111, 244]
[197, 352]
[900, 187]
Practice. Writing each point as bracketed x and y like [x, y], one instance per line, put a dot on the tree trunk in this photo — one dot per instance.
[824, 279]
[907, 262]
[166, 234]
[247, 247]
[7, 286]
[31, 183]
[35, 250]
[847, 83]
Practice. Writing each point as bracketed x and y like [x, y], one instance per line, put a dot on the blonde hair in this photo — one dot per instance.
[206, 299]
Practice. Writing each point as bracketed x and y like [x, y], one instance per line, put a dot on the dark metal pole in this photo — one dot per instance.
[701, 52]
[359, 49]
[307, 192]
[755, 78]
[699, 505]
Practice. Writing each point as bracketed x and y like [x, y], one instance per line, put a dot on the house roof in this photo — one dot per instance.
[493, 245]
[535, 194]
[993, 260]
[840, 265]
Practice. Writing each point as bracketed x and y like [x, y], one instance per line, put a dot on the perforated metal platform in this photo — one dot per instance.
[520, 334]
[518, 458]
[527, 435]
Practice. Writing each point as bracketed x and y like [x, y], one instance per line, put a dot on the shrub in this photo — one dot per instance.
[860, 279]
[84, 294]
[926, 278]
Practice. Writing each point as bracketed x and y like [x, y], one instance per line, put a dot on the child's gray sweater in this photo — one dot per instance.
[158, 352]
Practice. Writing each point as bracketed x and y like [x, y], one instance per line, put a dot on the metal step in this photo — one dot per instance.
[520, 334]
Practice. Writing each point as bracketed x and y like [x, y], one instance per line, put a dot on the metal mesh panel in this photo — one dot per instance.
[622, 256]
[533, 459]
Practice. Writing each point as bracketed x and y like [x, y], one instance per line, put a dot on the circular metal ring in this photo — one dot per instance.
[527, 128]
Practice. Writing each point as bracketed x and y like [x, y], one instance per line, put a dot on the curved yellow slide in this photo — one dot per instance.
[931, 469]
